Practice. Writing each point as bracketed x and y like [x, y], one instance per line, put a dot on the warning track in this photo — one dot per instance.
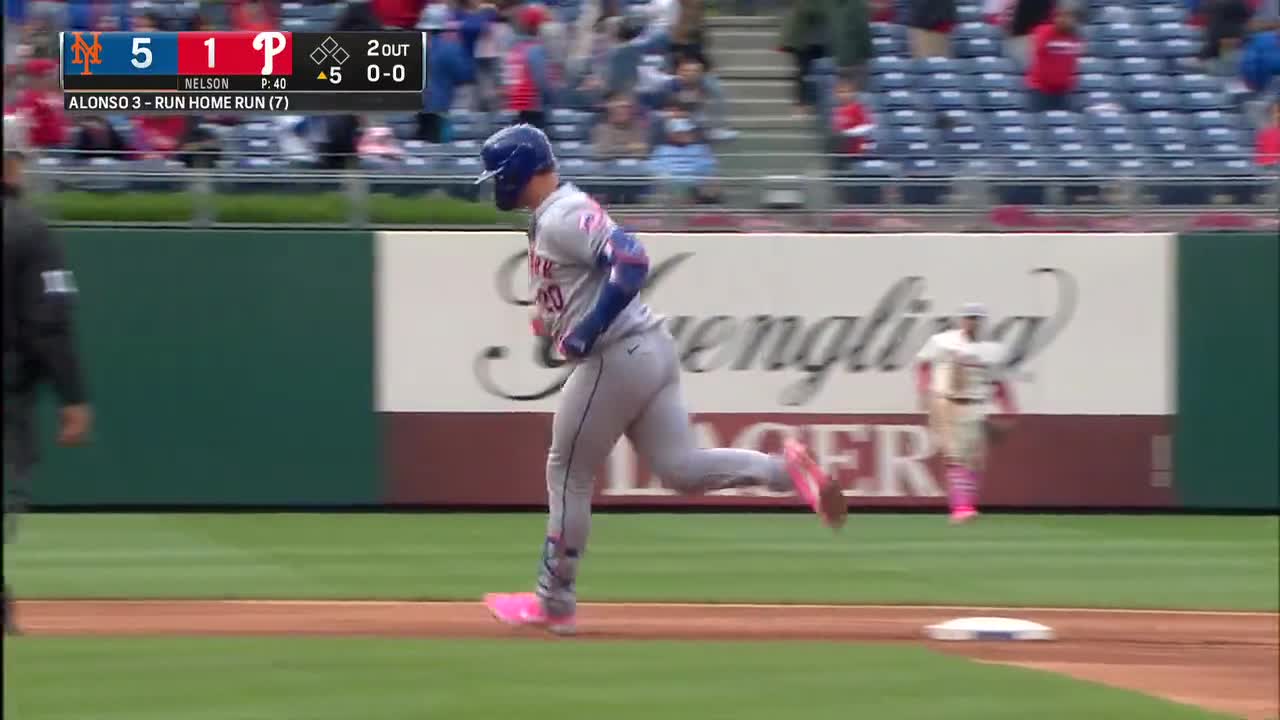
[1225, 661]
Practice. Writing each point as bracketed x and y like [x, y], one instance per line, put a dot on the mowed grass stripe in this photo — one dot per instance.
[1156, 562]
[390, 679]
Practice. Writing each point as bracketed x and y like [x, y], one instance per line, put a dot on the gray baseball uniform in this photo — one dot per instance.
[630, 383]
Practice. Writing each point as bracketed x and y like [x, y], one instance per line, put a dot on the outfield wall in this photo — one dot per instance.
[323, 369]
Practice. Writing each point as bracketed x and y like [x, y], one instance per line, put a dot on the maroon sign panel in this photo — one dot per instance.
[498, 459]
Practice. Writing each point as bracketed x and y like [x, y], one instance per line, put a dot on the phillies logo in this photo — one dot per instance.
[270, 44]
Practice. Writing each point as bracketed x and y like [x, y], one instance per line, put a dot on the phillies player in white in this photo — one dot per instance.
[585, 272]
[958, 375]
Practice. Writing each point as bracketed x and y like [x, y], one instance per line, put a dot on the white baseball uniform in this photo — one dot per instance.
[629, 383]
[962, 379]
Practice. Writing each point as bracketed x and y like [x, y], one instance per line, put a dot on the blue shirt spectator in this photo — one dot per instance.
[679, 159]
[448, 64]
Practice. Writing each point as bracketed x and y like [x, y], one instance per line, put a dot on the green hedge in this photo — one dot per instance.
[328, 207]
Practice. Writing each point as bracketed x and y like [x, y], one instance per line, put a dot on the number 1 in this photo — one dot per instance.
[209, 44]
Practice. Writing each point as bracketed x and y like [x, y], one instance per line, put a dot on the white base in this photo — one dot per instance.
[989, 628]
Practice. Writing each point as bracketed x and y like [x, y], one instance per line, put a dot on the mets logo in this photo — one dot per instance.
[86, 54]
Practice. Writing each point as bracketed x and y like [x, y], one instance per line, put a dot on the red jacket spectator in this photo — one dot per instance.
[398, 13]
[252, 16]
[854, 123]
[41, 103]
[1054, 56]
[1269, 140]
[160, 135]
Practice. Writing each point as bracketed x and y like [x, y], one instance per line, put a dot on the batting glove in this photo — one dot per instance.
[577, 343]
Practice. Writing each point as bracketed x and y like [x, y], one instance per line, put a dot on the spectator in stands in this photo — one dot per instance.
[805, 33]
[624, 132]
[851, 122]
[851, 36]
[252, 16]
[447, 67]
[97, 15]
[338, 133]
[159, 136]
[624, 56]
[688, 38]
[929, 24]
[1260, 61]
[95, 138]
[1055, 53]
[475, 23]
[379, 143]
[1226, 22]
[661, 18]
[1268, 153]
[1019, 18]
[527, 72]
[684, 162]
[40, 102]
[700, 94]
[394, 14]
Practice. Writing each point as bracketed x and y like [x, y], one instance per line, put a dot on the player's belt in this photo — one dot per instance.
[964, 401]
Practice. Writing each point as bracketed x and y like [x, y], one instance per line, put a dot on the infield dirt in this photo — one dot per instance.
[1229, 662]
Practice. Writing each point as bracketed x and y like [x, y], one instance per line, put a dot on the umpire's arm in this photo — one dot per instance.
[49, 293]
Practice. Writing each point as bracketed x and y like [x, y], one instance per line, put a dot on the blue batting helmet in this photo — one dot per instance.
[512, 156]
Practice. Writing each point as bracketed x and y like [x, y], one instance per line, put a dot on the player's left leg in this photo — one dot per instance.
[663, 436]
[969, 451]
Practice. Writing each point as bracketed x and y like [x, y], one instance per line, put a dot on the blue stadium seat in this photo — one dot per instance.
[1174, 48]
[964, 134]
[1060, 117]
[1179, 181]
[1143, 82]
[963, 117]
[1215, 118]
[892, 81]
[1130, 167]
[993, 64]
[900, 100]
[1161, 118]
[952, 100]
[927, 181]
[1082, 177]
[863, 180]
[1108, 118]
[1090, 82]
[975, 47]
[1099, 98]
[1121, 150]
[296, 24]
[628, 181]
[1161, 14]
[1025, 183]
[1154, 100]
[1197, 83]
[1065, 134]
[944, 81]
[1221, 135]
[1073, 150]
[1226, 150]
[885, 45]
[969, 12]
[931, 65]
[1016, 118]
[1093, 65]
[466, 131]
[1113, 14]
[573, 148]
[1011, 134]
[464, 148]
[1175, 150]
[1108, 134]
[1002, 100]
[1204, 100]
[1164, 134]
[1125, 48]
[1136, 65]
[976, 29]
[1115, 32]
[907, 134]
[906, 117]
[886, 64]
[1175, 31]
[1239, 179]
[567, 131]
[884, 29]
[996, 81]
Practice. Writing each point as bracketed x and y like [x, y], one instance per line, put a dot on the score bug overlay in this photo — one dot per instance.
[257, 72]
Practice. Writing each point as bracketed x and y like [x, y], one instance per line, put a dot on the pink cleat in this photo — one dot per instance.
[824, 496]
[962, 515]
[525, 610]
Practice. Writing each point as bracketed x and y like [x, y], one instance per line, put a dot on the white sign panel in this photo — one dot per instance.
[795, 323]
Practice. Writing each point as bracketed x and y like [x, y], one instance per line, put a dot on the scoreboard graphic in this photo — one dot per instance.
[243, 72]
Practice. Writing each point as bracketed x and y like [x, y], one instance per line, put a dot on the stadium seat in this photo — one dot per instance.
[1114, 14]
[926, 181]
[963, 117]
[1108, 118]
[964, 133]
[1125, 48]
[1060, 117]
[862, 182]
[969, 13]
[1144, 82]
[1171, 30]
[1108, 134]
[1161, 14]
[1024, 184]
[463, 168]
[1002, 100]
[1137, 65]
[976, 47]
[1130, 167]
[1220, 134]
[1010, 134]
[1154, 100]
[952, 100]
[1121, 150]
[1163, 134]
[1179, 181]
[1091, 82]
[1174, 48]
[885, 45]
[900, 100]
[976, 30]
[1065, 134]
[1225, 150]
[1238, 179]
[932, 65]
[1018, 150]
[573, 148]
[1159, 118]
[885, 64]
[988, 81]
[884, 29]
[1017, 118]
[993, 64]
[1099, 99]
[1093, 65]
[1203, 100]
[629, 180]
[906, 117]
[884, 82]
[1073, 150]
[1115, 32]
[1082, 180]
[1197, 83]
[1215, 118]
[464, 148]
[943, 81]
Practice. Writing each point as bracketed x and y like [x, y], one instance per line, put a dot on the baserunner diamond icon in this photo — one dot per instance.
[317, 56]
[341, 56]
[329, 44]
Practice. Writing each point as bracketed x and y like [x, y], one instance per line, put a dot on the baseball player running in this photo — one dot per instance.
[585, 272]
[957, 376]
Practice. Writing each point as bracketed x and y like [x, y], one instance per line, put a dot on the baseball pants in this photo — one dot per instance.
[631, 387]
[959, 430]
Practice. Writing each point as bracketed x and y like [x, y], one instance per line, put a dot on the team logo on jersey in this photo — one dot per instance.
[86, 54]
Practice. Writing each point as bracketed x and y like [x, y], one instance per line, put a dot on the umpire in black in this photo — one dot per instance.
[39, 296]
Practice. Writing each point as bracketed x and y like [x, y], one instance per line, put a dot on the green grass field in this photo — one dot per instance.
[1158, 562]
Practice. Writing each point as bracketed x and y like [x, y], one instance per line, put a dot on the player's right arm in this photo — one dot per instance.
[926, 361]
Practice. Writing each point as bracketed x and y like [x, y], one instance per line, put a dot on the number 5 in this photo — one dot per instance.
[335, 74]
[140, 50]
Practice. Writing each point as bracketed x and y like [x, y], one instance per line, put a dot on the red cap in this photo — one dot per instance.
[532, 16]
